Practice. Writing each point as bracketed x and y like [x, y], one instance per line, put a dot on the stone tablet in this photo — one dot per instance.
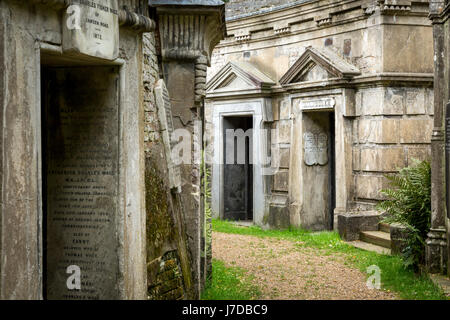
[317, 104]
[81, 183]
[310, 148]
[315, 148]
[164, 106]
[91, 28]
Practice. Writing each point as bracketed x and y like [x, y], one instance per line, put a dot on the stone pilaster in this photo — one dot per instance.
[436, 244]
[188, 31]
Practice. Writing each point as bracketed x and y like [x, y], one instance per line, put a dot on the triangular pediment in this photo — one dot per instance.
[237, 77]
[319, 65]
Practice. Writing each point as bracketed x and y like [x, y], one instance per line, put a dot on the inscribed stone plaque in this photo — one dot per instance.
[91, 27]
[81, 182]
[317, 104]
[164, 106]
[315, 148]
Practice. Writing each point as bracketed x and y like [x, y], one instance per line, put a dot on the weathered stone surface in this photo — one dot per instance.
[382, 160]
[284, 131]
[437, 250]
[415, 131]
[382, 131]
[356, 159]
[279, 217]
[281, 181]
[92, 29]
[285, 110]
[284, 157]
[369, 186]
[399, 235]
[351, 224]
[419, 154]
[415, 102]
[82, 180]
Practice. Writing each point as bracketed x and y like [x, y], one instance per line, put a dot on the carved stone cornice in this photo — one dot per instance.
[189, 30]
[188, 33]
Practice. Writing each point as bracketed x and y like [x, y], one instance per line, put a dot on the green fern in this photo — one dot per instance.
[409, 203]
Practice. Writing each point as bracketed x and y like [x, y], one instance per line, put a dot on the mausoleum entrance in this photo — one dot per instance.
[80, 165]
[319, 169]
[238, 168]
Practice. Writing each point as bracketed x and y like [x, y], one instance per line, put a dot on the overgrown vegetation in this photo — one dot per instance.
[409, 204]
[206, 178]
[229, 283]
[394, 277]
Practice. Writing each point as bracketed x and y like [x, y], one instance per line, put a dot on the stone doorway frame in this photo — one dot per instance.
[129, 188]
[343, 128]
[257, 109]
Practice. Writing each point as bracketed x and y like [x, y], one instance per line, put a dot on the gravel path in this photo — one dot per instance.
[284, 270]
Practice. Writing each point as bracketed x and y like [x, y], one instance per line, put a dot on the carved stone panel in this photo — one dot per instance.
[317, 104]
[81, 183]
[91, 28]
[315, 148]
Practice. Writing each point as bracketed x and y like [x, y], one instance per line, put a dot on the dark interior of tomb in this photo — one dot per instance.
[238, 177]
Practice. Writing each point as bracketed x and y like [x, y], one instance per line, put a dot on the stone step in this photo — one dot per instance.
[384, 227]
[369, 247]
[378, 238]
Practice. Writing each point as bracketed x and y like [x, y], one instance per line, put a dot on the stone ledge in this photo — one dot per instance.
[351, 224]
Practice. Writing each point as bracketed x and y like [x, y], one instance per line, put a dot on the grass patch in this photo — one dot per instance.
[229, 284]
[394, 277]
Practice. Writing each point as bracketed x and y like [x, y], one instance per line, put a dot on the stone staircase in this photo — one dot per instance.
[377, 241]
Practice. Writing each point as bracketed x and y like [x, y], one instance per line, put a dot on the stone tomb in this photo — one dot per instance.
[81, 179]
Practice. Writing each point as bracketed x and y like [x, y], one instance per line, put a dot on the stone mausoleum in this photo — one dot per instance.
[92, 204]
[337, 94]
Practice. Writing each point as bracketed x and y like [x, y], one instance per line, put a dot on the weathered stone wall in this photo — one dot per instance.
[235, 8]
[30, 34]
[166, 242]
[393, 127]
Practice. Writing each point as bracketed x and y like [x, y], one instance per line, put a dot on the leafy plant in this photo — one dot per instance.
[206, 178]
[409, 204]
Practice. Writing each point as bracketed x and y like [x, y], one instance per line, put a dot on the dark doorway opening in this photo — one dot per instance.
[238, 169]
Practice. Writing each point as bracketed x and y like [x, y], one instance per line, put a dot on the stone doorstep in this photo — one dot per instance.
[379, 238]
[243, 223]
[369, 247]
[441, 281]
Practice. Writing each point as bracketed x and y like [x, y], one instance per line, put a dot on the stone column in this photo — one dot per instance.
[188, 31]
[436, 244]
